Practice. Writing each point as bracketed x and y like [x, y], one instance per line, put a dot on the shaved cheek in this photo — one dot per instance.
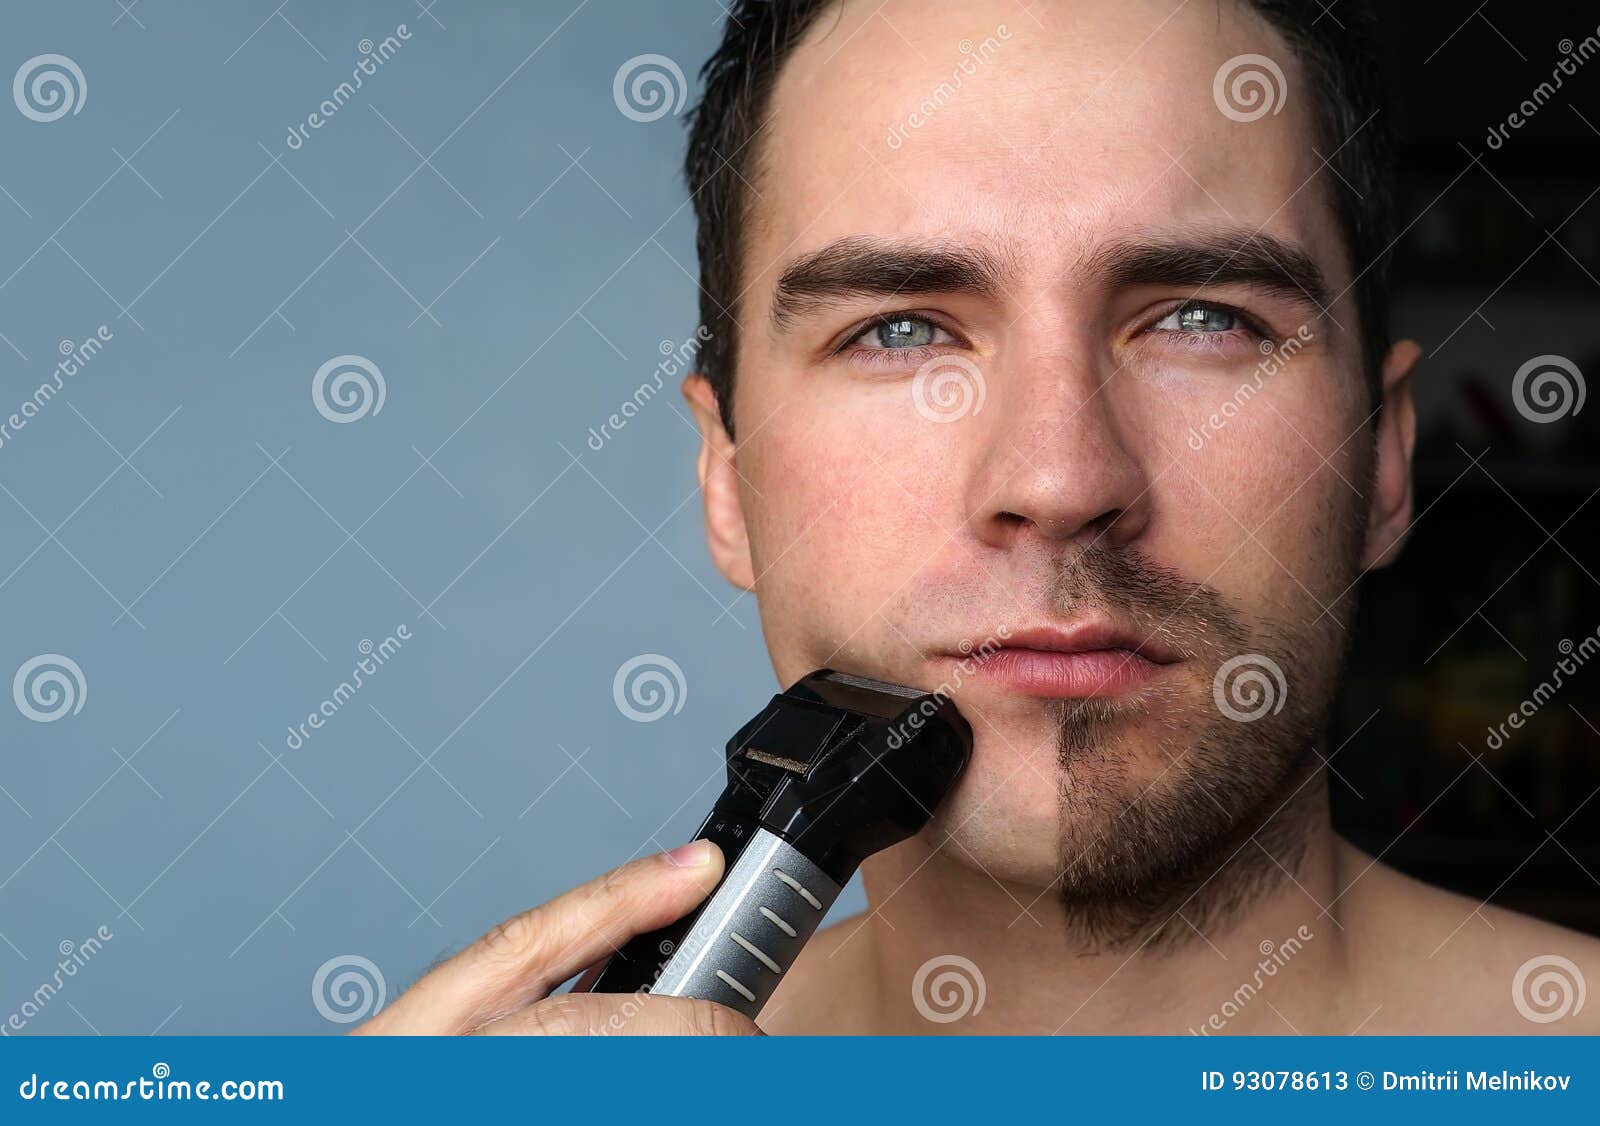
[838, 528]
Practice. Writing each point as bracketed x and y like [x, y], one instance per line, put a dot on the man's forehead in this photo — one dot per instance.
[969, 121]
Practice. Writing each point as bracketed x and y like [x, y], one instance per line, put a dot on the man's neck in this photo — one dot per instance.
[1037, 975]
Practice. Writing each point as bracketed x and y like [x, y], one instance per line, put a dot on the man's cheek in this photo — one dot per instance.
[840, 526]
[1272, 504]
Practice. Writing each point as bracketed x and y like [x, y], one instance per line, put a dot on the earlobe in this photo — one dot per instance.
[726, 535]
[1389, 518]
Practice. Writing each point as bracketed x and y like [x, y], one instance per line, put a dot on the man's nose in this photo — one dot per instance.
[1057, 456]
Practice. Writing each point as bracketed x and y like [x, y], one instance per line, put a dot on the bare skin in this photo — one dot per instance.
[877, 539]
[1396, 957]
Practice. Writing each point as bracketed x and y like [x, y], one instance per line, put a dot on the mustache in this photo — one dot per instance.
[1190, 617]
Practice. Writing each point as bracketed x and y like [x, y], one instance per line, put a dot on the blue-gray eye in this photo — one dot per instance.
[1198, 319]
[905, 332]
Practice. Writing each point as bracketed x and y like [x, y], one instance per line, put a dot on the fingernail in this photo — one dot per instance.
[695, 854]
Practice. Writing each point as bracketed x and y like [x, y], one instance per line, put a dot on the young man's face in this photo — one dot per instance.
[1077, 465]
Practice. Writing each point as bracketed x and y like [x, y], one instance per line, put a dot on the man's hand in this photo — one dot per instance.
[500, 985]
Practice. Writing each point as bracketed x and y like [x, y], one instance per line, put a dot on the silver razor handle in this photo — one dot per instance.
[766, 908]
[832, 770]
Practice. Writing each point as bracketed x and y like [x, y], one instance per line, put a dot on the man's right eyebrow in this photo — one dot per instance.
[861, 266]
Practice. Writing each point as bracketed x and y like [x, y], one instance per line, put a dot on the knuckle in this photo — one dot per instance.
[515, 941]
[557, 1016]
[614, 884]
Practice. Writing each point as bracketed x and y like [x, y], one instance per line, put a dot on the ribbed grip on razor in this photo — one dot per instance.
[746, 938]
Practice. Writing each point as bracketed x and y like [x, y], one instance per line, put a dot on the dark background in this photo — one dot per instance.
[1500, 263]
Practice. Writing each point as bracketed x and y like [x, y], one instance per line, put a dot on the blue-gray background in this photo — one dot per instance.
[515, 255]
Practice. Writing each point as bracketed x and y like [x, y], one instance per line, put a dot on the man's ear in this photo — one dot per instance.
[1390, 515]
[719, 486]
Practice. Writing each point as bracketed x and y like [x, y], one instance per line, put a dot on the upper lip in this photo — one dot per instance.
[1087, 636]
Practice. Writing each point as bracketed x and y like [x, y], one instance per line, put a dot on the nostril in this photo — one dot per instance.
[1101, 525]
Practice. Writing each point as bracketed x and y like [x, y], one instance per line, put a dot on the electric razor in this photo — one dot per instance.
[829, 772]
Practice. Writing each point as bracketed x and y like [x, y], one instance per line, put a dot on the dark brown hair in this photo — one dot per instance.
[1336, 50]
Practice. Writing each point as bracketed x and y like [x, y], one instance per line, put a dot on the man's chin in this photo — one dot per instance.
[1095, 803]
[1001, 819]
[1004, 818]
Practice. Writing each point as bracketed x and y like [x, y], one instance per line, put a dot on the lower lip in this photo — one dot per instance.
[1070, 676]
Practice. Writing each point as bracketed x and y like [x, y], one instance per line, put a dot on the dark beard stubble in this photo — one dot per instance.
[1154, 864]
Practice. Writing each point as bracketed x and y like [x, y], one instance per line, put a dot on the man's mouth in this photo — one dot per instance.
[1077, 661]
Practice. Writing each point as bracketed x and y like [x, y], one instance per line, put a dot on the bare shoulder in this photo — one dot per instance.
[1432, 961]
[822, 992]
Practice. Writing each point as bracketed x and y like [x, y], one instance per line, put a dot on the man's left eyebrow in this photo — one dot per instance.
[1242, 257]
[860, 266]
